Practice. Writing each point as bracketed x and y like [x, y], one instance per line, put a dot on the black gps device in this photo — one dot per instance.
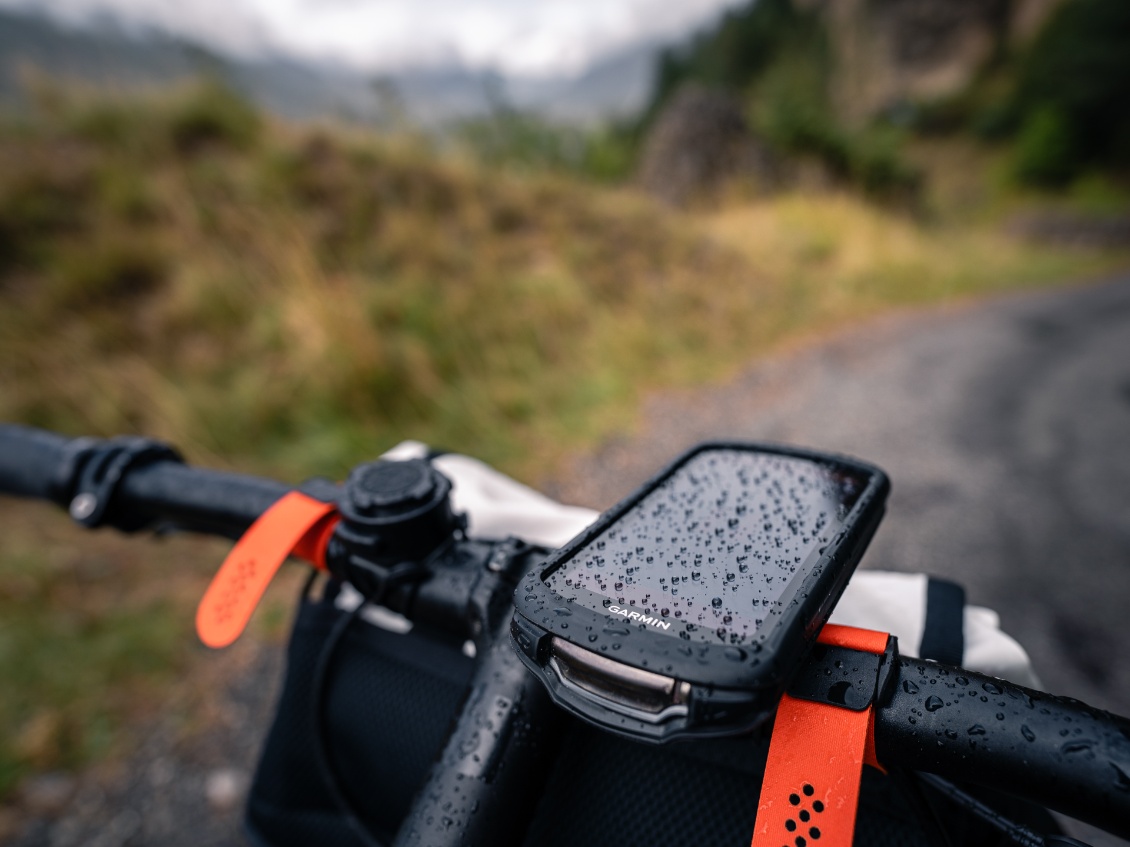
[684, 610]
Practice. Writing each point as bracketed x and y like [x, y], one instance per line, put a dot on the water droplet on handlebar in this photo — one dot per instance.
[933, 703]
[976, 729]
[992, 689]
[1078, 746]
[1121, 778]
[909, 687]
[1027, 733]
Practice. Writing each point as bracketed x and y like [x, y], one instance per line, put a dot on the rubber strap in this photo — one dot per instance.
[295, 523]
[810, 792]
[943, 638]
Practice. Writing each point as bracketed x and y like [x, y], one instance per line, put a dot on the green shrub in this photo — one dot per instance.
[610, 153]
[792, 112]
[213, 115]
[107, 272]
[523, 141]
[802, 133]
[517, 139]
[1073, 91]
[983, 109]
[878, 167]
[108, 124]
[44, 194]
[1046, 151]
[996, 121]
[738, 50]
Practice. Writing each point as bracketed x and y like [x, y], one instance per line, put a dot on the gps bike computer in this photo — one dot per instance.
[684, 610]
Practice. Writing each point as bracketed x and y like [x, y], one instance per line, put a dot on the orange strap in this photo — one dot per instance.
[295, 523]
[810, 792]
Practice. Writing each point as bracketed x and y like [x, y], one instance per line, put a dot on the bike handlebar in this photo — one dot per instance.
[968, 727]
[216, 502]
[139, 481]
[30, 460]
[958, 724]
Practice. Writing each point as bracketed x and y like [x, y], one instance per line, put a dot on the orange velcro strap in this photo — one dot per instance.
[810, 792]
[295, 523]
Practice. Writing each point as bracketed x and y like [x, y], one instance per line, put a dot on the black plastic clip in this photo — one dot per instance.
[377, 582]
[508, 558]
[850, 679]
[102, 470]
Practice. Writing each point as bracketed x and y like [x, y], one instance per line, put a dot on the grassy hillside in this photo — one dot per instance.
[185, 271]
[291, 301]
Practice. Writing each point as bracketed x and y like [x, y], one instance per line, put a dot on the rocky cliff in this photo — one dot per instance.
[890, 51]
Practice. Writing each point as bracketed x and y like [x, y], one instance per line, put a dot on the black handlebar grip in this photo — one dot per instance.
[213, 502]
[33, 462]
[968, 727]
[41, 464]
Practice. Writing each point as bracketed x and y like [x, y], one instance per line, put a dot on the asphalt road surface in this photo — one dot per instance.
[1004, 426]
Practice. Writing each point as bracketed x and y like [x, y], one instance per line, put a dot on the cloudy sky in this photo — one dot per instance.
[527, 37]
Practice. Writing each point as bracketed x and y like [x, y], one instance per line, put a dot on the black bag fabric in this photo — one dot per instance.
[392, 699]
[390, 702]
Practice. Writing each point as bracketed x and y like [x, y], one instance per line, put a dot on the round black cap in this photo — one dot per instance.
[383, 487]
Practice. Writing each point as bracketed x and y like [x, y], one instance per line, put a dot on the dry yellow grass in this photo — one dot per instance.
[843, 258]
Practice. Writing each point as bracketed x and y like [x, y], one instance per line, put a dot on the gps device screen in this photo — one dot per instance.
[686, 609]
[716, 548]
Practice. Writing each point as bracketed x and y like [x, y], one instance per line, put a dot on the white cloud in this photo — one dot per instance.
[528, 37]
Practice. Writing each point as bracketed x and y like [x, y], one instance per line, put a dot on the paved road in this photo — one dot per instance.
[1005, 428]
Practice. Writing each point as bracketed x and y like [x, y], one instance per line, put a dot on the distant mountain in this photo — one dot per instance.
[107, 57]
[98, 58]
[617, 86]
